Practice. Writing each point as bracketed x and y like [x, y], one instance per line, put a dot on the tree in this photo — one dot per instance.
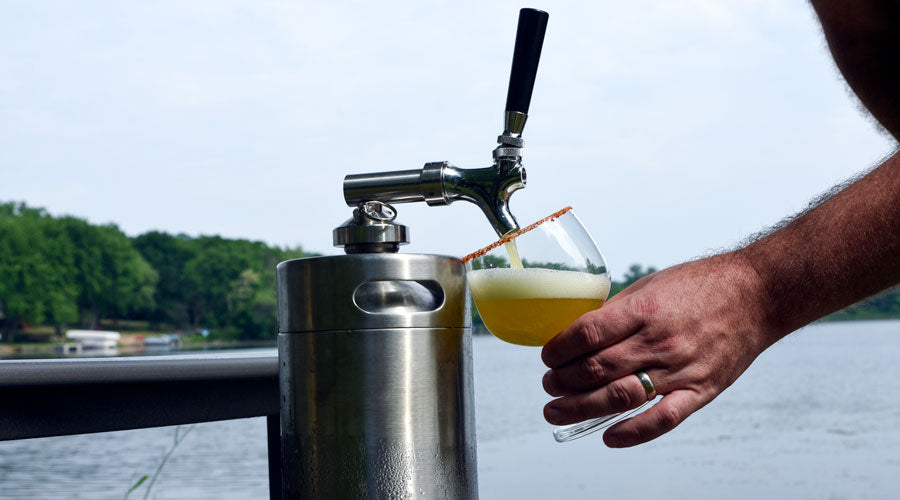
[252, 308]
[35, 269]
[132, 280]
[209, 276]
[634, 273]
[221, 291]
[112, 278]
[61, 290]
[489, 262]
[168, 255]
[20, 294]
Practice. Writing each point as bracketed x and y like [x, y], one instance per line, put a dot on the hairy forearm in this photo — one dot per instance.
[838, 253]
[864, 39]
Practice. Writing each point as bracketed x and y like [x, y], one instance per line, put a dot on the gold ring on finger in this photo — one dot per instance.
[647, 383]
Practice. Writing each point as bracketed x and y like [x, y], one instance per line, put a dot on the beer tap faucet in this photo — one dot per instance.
[440, 183]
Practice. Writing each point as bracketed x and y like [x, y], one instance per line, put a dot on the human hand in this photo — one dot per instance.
[693, 328]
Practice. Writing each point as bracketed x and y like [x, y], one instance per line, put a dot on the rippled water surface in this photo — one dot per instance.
[816, 417]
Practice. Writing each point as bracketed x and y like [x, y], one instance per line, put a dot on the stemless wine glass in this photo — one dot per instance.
[532, 284]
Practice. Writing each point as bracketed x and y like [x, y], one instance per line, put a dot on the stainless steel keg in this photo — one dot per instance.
[376, 372]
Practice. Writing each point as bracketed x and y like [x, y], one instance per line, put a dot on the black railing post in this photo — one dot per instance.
[273, 430]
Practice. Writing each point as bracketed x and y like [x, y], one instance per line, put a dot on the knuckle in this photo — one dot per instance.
[669, 417]
[625, 317]
[707, 371]
[699, 371]
[620, 398]
[616, 315]
[698, 376]
[593, 369]
[586, 333]
[648, 305]
[578, 409]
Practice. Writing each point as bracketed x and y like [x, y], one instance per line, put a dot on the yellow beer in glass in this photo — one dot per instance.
[530, 306]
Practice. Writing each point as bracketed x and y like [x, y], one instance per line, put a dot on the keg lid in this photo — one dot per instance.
[371, 230]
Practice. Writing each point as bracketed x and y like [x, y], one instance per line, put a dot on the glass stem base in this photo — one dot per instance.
[575, 431]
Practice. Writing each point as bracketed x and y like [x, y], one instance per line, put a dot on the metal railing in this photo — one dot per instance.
[59, 397]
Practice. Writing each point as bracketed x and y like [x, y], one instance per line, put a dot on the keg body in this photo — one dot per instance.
[376, 377]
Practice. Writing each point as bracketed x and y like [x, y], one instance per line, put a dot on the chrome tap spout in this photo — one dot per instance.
[440, 183]
[490, 188]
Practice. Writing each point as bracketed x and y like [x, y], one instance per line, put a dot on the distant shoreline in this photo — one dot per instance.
[53, 349]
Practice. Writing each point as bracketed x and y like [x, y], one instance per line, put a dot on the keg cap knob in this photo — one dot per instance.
[371, 230]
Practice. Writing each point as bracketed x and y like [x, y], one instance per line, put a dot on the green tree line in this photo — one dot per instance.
[64, 271]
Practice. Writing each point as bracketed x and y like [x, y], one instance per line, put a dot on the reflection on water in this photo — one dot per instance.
[216, 460]
[61, 351]
[97, 352]
[815, 417]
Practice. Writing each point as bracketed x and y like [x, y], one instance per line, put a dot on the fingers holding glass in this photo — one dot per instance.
[664, 416]
[620, 395]
[591, 332]
[594, 370]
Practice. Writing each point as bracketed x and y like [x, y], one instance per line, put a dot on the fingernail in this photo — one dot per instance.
[612, 441]
[553, 415]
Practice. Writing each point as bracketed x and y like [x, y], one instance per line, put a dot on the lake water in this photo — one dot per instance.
[815, 417]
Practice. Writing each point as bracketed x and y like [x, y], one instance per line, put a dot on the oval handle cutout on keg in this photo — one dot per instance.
[399, 296]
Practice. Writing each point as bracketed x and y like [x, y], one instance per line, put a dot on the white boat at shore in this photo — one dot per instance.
[92, 340]
[169, 340]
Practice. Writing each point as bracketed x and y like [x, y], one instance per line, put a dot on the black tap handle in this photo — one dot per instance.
[529, 40]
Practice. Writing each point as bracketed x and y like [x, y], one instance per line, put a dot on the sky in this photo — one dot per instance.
[675, 129]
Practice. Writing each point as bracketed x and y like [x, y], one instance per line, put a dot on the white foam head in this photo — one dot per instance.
[503, 283]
